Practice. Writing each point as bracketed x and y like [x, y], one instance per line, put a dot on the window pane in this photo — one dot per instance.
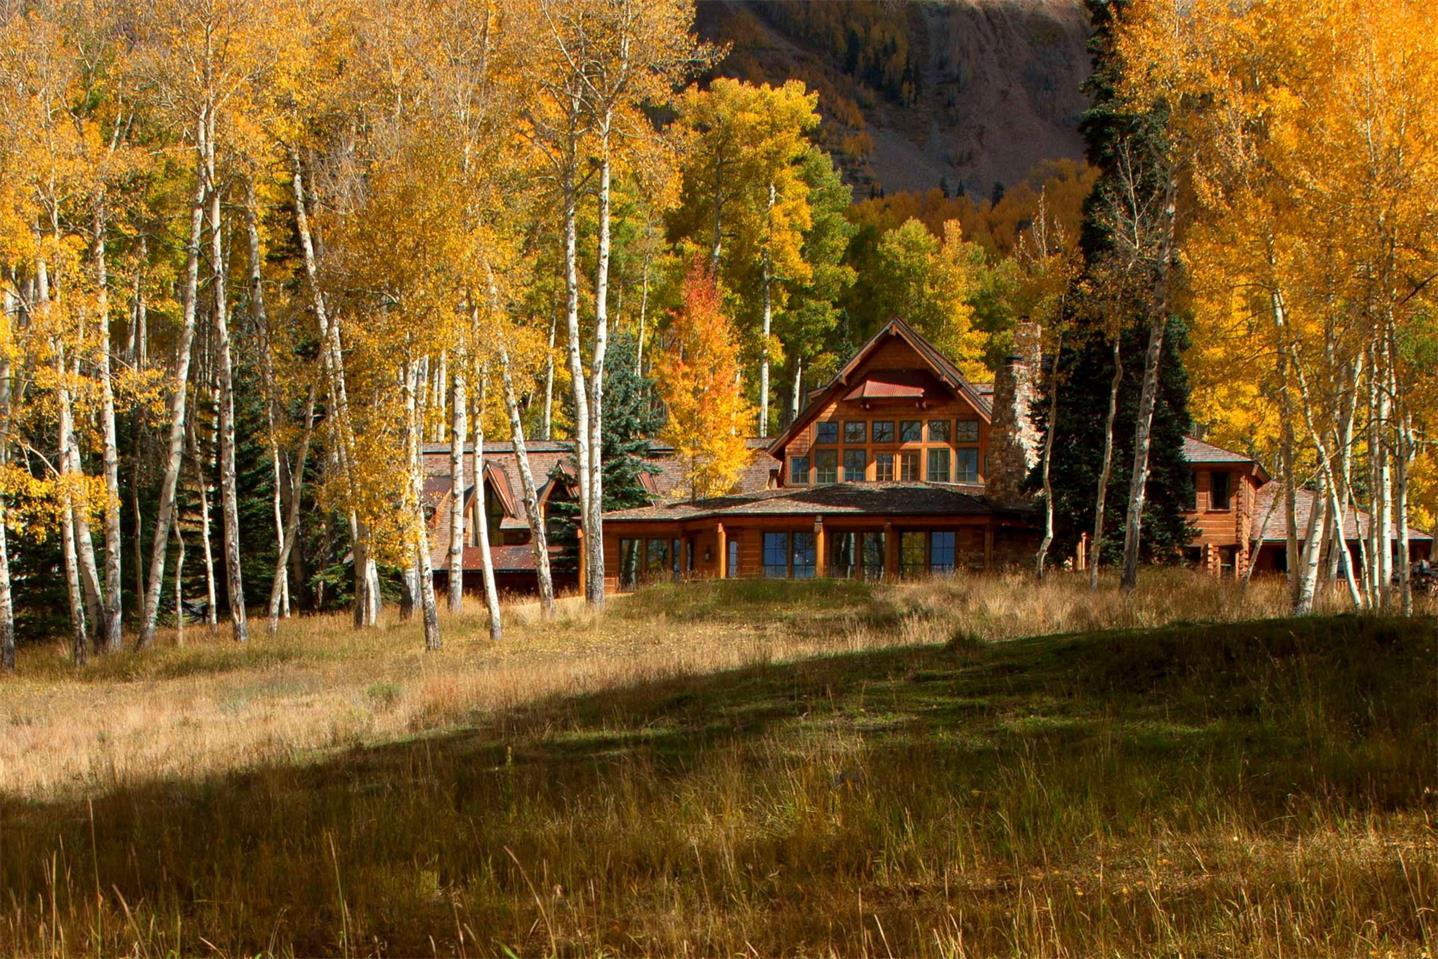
[967, 431]
[854, 431]
[827, 433]
[776, 555]
[941, 551]
[799, 470]
[733, 569]
[938, 431]
[656, 557]
[909, 467]
[911, 431]
[883, 467]
[628, 563]
[843, 558]
[913, 553]
[854, 465]
[873, 556]
[1218, 484]
[803, 555]
[826, 466]
[967, 462]
[883, 431]
[939, 466]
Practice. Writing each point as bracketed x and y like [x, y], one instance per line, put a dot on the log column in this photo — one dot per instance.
[820, 553]
[722, 540]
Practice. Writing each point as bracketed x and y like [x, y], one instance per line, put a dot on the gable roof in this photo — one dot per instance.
[938, 364]
[835, 499]
[1199, 453]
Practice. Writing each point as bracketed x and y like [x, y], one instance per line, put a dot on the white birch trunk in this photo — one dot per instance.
[582, 446]
[1142, 439]
[229, 493]
[481, 517]
[1041, 556]
[798, 390]
[203, 483]
[593, 520]
[179, 587]
[79, 631]
[767, 324]
[423, 569]
[546, 428]
[7, 600]
[1106, 471]
[1312, 550]
[110, 627]
[538, 541]
[460, 428]
[292, 523]
[165, 514]
[259, 315]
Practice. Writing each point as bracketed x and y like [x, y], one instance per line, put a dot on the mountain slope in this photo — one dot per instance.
[958, 93]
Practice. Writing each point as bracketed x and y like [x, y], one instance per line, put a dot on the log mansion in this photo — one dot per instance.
[899, 467]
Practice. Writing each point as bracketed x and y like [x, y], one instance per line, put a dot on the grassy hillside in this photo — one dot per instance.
[816, 769]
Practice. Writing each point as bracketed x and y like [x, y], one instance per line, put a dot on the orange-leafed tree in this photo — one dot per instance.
[698, 379]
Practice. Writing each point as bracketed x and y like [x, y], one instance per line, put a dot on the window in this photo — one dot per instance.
[882, 431]
[941, 552]
[1218, 490]
[967, 463]
[629, 563]
[493, 516]
[967, 431]
[938, 431]
[913, 553]
[733, 567]
[939, 465]
[855, 464]
[883, 467]
[855, 431]
[656, 559]
[776, 555]
[909, 467]
[843, 561]
[799, 470]
[826, 433]
[911, 431]
[874, 556]
[826, 466]
[803, 553]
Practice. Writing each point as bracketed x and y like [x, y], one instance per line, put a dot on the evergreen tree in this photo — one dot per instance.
[1129, 147]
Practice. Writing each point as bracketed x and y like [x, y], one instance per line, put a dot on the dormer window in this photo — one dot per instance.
[799, 470]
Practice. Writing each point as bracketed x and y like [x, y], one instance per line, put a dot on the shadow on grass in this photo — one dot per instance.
[572, 824]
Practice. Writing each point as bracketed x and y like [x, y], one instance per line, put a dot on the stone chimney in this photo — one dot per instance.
[1013, 440]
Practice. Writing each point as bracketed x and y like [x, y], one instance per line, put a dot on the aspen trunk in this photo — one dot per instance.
[366, 574]
[110, 627]
[481, 516]
[202, 482]
[643, 313]
[1312, 549]
[179, 587]
[1142, 439]
[7, 600]
[1106, 471]
[456, 489]
[546, 428]
[582, 445]
[165, 514]
[292, 521]
[423, 570]
[593, 523]
[539, 543]
[1041, 556]
[260, 317]
[767, 324]
[229, 494]
[79, 631]
[1383, 486]
[797, 394]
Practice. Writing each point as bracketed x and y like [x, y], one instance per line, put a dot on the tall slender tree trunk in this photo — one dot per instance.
[1106, 471]
[538, 541]
[460, 432]
[481, 515]
[179, 586]
[643, 311]
[593, 524]
[1142, 440]
[796, 396]
[166, 513]
[79, 631]
[423, 568]
[110, 628]
[7, 600]
[582, 445]
[767, 324]
[1312, 550]
[546, 428]
[202, 482]
[1041, 556]
[291, 527]
[229, 492]
[260, 317]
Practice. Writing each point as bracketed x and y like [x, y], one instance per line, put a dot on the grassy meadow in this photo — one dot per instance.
[963, 767]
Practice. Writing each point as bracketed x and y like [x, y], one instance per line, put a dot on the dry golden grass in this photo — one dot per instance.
[760, 768]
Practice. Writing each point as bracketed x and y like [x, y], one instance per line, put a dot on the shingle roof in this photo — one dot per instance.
[1269, 516]
[837, 499]
[1197, 451]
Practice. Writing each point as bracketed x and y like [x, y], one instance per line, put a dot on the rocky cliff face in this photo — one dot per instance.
[988, 88]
